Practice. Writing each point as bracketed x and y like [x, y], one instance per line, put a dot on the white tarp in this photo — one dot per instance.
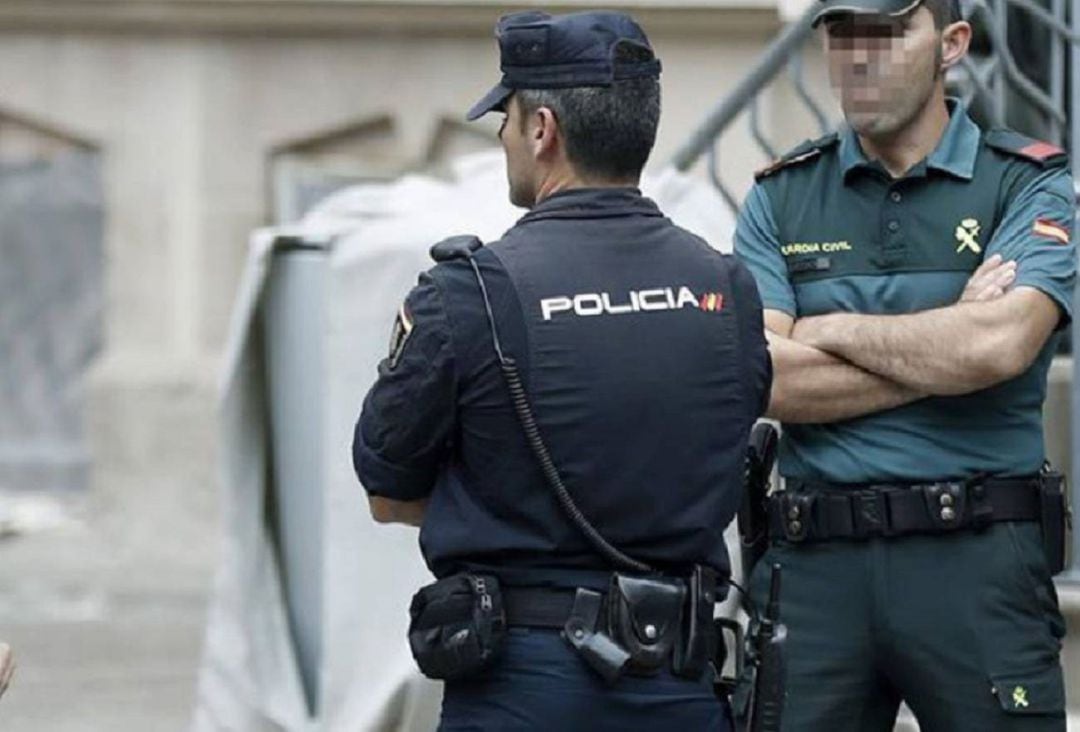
[379, 236]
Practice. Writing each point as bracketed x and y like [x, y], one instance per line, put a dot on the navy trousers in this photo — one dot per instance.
[540, 683]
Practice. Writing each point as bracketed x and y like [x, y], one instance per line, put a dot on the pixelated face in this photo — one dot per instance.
[519, 159]
[883, 68]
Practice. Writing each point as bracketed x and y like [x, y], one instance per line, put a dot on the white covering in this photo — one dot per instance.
[380, 235]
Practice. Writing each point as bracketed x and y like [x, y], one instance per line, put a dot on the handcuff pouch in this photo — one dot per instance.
[645, 618]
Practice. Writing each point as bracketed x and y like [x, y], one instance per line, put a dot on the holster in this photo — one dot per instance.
[699, 641]
[457, 626]
[1055, 518]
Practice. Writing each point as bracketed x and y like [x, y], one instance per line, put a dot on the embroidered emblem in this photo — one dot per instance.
[967, 233]
[1020, 700]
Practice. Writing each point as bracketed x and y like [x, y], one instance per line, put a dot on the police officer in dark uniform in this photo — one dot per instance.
[565, 412]
[915, 272]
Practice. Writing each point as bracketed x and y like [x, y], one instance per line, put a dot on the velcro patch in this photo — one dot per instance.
[1041, 151]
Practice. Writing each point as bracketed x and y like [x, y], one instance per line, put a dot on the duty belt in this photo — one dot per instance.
[539, 607]
[809, 512]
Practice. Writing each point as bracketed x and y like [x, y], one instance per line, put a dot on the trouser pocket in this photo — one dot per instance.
[1035, 692]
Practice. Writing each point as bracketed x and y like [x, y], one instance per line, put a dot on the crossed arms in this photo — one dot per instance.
[840, 366]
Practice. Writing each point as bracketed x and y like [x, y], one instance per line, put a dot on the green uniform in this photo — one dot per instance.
[963, 627]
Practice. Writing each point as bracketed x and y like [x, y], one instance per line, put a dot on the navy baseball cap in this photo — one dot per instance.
[541, 51]
[893, 8]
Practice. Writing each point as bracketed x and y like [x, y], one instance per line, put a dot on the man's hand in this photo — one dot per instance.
[990, 280]
[7, 666]
[389, 511]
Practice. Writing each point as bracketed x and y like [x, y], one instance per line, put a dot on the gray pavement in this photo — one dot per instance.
[107, 625]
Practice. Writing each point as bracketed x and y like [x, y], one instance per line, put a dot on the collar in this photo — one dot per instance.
[592, 203]
[955, 152]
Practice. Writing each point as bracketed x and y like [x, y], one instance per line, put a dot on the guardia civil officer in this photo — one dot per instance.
[565, 411]
[915, 271]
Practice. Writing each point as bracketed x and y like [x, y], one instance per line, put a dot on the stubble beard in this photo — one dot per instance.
[522, 193]
[905, 105]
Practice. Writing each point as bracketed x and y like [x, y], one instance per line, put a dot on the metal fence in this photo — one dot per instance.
[990, 80]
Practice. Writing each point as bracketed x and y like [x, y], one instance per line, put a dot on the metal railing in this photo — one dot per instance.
[993, 80]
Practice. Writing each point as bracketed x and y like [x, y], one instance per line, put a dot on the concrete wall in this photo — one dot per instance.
[191, 103]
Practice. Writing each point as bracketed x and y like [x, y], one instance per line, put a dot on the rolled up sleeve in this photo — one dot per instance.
[407, 420]
[1036, 231]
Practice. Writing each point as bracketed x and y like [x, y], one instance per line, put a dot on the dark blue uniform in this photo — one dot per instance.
[643, 353]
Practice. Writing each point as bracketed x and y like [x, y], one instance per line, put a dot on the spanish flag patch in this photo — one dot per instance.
[403, 328]
[1051, 230]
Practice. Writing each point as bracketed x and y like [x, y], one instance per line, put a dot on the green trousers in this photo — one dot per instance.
[964, 628]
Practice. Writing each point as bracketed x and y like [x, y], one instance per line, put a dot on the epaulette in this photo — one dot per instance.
[806, 151]
[1013, 143]
[455, 247]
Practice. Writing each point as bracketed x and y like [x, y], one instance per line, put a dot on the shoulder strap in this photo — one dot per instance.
[1010, 142]
[455, 247]
[806, 151]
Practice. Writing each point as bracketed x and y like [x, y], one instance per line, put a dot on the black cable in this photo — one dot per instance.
[519, 398]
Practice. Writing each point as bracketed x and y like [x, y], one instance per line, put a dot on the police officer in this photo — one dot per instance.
[640, 354]
[915, 271]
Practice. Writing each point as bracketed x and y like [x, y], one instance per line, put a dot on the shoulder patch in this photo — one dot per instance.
[455, 247]
[1027, 148]
[399, 336]
[806, 151]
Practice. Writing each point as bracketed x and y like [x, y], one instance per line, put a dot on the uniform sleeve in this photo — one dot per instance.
[408, 417]
[1036, 232]
[757, 245]
[755, 349]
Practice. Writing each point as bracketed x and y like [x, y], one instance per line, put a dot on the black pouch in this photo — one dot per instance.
[645, 618]
[457, 626]
[697, 644]
[1055, 518]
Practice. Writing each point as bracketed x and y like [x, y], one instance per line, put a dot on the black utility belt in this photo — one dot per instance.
[640, 625]
[823, 511]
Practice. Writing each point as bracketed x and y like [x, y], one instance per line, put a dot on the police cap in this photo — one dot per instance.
[894, 8]
[541, 51]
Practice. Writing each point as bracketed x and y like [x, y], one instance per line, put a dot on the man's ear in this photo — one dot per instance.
[955, 40]
[544, 134]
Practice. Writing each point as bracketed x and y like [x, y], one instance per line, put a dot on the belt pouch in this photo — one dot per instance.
[604, 656]
[645, 618]
[457, 626]
[698, 638]
[1054, 519]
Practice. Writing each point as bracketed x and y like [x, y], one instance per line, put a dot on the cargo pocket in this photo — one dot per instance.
[1031, 562]
[1039, 692]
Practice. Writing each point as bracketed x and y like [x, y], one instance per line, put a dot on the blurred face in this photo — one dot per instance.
[520, 168]
[884, 69]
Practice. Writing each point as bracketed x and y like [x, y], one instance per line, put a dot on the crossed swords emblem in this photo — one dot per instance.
[967, 233]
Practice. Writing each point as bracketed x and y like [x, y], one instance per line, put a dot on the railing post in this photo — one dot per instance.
[293, 322]
[772, 60]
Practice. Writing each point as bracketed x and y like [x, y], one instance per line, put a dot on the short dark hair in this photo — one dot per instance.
[609, 130]
[945, 12]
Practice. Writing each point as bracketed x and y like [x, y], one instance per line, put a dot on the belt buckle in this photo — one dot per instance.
[946, 503]
[870, 514]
